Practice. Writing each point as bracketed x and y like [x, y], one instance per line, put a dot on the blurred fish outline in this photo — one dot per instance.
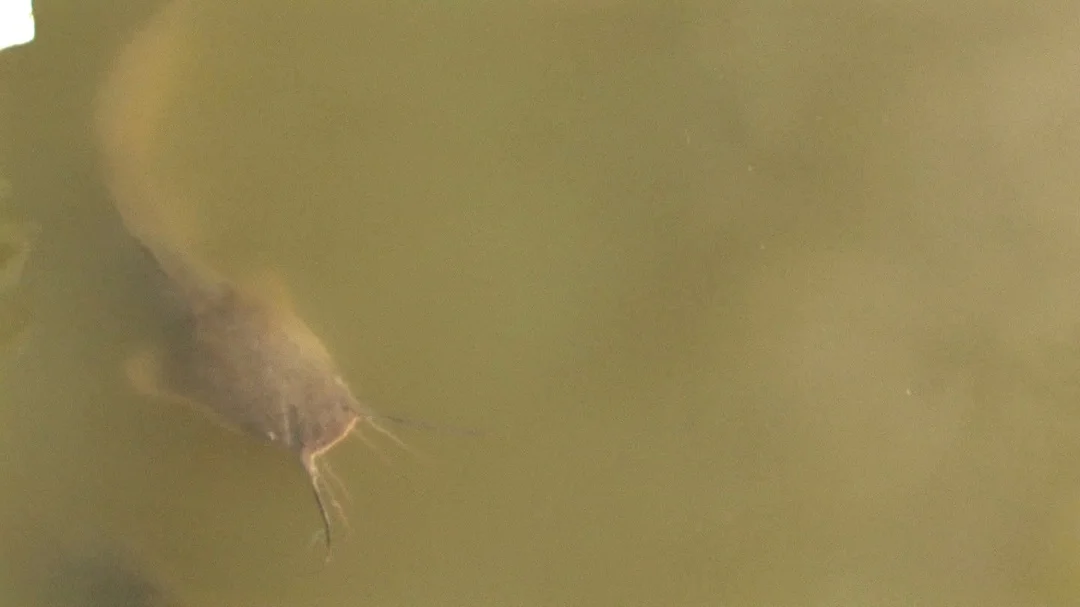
[105, 576]
[16, 245]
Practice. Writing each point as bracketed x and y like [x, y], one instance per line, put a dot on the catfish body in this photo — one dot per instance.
[259, 368]
[245, 357]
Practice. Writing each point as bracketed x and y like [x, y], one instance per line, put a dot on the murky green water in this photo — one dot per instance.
[746, 305]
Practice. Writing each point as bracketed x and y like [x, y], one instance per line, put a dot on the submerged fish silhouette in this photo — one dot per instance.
[239, 353]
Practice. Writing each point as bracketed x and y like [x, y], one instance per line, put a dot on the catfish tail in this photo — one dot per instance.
[130, 107]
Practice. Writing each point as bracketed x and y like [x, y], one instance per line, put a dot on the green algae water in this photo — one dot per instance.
[741, 304]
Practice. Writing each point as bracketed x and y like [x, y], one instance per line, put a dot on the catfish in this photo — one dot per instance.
[241, 353]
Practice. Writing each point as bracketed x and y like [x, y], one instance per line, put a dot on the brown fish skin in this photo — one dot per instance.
[247, 358]
[262, 371]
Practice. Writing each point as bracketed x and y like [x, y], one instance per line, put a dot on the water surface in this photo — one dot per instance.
[750, 305]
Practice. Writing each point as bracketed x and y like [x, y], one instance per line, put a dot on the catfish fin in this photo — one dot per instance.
[146, 371]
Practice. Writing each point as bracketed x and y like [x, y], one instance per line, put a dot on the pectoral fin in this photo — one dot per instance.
[150, 374]
[144, 370]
